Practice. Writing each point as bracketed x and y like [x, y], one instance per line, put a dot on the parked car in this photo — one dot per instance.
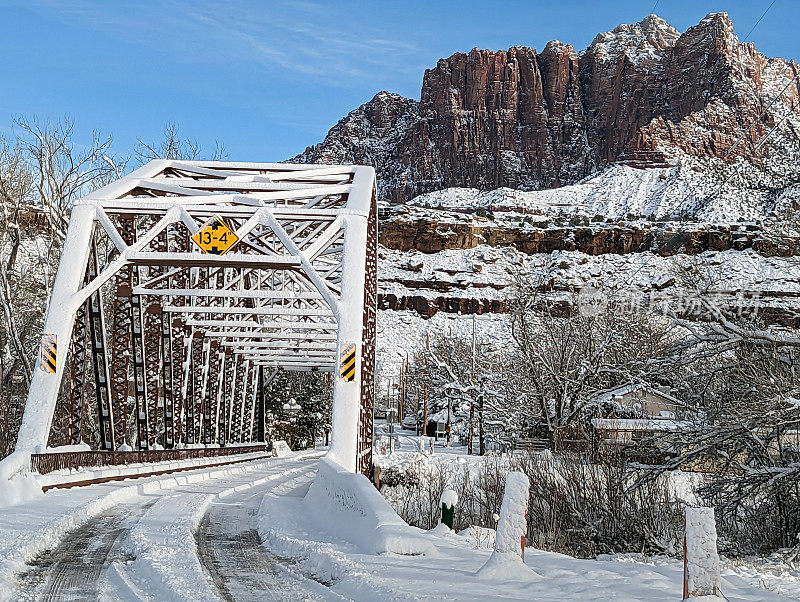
[410, 422]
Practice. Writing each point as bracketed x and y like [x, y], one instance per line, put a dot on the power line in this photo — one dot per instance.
[653, 10]
[757, 22]
[760, 115]
[739, 165]
[760, 142]
[772, 102]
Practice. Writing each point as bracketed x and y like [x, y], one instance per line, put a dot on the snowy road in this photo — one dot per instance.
[229, 548]
[198, 535]
[72, 570]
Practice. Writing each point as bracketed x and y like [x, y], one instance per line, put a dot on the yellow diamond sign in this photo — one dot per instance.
[215, 237]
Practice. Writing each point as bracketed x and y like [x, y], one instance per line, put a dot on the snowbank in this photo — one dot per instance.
[18, 483]
[137, 469]
[23, 487]
[348, 506]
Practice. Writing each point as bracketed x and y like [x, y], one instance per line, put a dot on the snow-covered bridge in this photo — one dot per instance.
[218, 274]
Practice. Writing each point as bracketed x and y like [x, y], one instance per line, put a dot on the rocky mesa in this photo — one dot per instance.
[643, 95]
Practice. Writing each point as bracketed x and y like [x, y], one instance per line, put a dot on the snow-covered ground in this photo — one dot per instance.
[635, 281]
[197, 536]
[484, 272]
[660, 578]
[450, 573]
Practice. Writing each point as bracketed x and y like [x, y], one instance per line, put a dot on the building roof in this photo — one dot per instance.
[638, 424]
[610, 394]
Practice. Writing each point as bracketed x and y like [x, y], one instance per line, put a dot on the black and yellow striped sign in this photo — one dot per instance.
[215, 237]
[49, 353]
[347, 364]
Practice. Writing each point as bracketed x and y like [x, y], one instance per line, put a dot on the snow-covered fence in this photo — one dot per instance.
[348, 506]
[700, 559]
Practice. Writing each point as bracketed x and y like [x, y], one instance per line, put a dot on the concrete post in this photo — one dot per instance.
[701, 571]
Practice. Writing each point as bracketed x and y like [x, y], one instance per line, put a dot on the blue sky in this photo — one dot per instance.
[267, 79]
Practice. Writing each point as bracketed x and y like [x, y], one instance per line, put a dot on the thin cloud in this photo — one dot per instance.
[294, 36]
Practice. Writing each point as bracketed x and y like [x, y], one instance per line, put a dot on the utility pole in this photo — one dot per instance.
[449, 403]
[472, 394]
[402, 394]
[427, 377]
[480, 417]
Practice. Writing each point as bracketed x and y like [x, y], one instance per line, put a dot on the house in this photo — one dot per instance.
[625, 431]
[647, 401]
[656, 412]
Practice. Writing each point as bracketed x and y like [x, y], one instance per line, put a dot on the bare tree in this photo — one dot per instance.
[175, 146]
[739, 375]
[474, 390]
[43, 170]
[63, 171]
[16, 184]
[570, 349]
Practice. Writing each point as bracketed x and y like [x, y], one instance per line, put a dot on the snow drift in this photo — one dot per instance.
[348, 506]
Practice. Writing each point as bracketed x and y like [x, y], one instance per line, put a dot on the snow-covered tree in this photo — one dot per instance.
[571, 346]
[42, 172]
[740, 375]
[472, 387]
[312, 392]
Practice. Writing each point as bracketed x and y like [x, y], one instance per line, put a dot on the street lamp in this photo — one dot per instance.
[291, 407]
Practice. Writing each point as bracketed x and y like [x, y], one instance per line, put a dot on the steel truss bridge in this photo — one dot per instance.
[195, 336]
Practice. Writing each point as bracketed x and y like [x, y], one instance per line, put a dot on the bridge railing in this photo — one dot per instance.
[50, 462]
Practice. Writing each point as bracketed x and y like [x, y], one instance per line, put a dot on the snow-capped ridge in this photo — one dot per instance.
[618, 191]
[693, 94]
[652, 32]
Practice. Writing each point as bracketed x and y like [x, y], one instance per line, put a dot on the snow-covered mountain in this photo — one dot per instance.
[697, 105]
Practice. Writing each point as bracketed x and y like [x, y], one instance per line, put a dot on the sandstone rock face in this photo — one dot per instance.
[428, 234]
[427, 307]
[528, 120]
[372, 134]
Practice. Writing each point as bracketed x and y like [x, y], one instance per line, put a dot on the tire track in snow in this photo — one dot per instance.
[72, 570]
[241, 569]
